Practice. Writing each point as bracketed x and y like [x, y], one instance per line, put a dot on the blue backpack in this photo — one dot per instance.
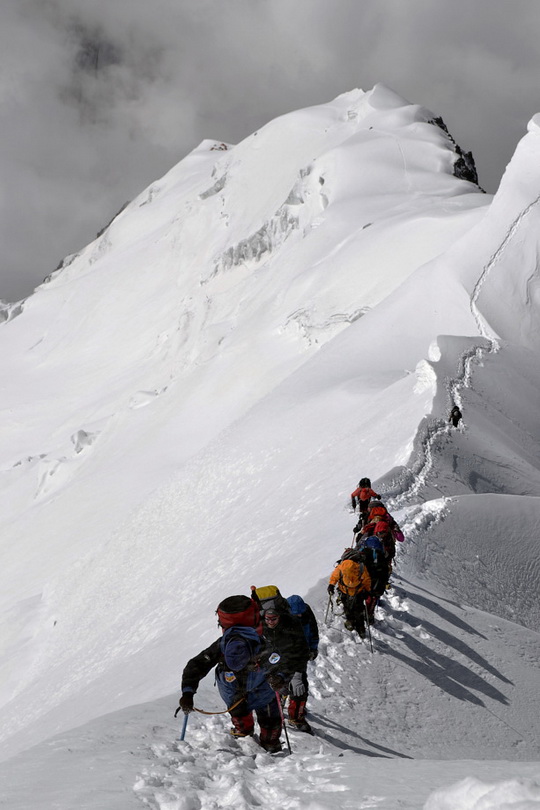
[239, 645]
[237, 675]
[374, 554]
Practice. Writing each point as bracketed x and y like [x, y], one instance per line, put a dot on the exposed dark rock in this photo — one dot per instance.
[464, 166]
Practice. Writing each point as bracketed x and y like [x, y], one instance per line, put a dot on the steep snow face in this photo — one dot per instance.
[508, 295]
[255, 331]
[214, 285]
[482, 549]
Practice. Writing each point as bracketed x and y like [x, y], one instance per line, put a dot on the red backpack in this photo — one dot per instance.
[377, 511]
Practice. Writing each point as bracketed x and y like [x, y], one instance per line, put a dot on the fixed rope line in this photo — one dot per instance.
[238, 702]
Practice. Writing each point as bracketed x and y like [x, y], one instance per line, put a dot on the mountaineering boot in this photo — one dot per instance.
[273, 747]
[301, 725]
[297, 715]
[235, 732]
[269, 738]
[243, 726]
[349, 625]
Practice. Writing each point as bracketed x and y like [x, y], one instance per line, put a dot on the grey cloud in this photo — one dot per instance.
[100, 97]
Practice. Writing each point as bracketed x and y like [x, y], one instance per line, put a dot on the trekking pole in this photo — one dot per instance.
[184, 726]
[280, 704]
[330, 604]
[368, 627]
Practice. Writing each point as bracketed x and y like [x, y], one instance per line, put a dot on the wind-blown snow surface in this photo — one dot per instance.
[186, 406]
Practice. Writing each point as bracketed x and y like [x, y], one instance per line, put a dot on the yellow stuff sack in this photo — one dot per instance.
[268, 592]
[269, 598]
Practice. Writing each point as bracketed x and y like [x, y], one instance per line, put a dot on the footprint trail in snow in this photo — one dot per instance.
[213, 771]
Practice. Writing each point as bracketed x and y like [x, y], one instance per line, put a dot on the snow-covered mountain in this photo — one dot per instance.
[187, 404]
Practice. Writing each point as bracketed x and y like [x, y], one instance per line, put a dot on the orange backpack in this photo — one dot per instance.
[350, 574]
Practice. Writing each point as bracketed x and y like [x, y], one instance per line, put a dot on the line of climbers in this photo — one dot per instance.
[260, 660]
[363, 571]
[267, 641]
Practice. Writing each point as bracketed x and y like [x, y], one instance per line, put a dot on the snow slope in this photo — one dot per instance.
[187, 405]
[381, 721]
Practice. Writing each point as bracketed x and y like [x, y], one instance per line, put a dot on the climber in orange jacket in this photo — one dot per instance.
[363, 493]
[354, 585]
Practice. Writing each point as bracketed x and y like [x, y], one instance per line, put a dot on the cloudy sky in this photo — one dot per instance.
[98, 98]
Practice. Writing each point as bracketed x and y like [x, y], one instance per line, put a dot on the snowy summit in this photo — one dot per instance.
[187, 404]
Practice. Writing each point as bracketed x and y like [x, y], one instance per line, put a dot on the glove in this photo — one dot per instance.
[313, 655]
[278, 683]
[297, 687]
[331, 589]
[186, 703]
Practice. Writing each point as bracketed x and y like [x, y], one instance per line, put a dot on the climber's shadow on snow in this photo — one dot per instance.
[381, 752]
[456, 643]
[437, 608]
[446, 673]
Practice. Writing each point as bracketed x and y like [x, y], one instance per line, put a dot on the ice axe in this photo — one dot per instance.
[280, 704]
[329, 605]
[368, 627]
[184, 726]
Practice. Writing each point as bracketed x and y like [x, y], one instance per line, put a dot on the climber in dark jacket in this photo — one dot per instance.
[241, 673]
[303, 612]
[285, 638]
[455, 416]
